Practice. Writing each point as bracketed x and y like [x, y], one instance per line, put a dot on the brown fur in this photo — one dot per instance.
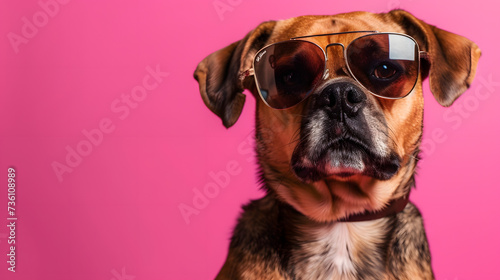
[260, 249]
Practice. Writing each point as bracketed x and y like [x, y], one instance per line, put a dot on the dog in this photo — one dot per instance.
[339, 120]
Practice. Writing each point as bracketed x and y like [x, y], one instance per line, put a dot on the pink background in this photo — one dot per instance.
[116, 215]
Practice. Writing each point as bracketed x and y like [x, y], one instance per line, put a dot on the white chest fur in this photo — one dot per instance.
[335, 250]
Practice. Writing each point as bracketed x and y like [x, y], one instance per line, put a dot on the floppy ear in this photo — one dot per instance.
[218, 74]
[452, 59]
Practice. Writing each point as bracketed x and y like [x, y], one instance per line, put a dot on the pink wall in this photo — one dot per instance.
[114, 213]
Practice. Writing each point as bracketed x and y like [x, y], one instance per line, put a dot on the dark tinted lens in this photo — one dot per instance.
[286, 72]
[385, 64]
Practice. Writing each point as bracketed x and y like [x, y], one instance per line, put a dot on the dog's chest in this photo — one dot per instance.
[341, 251]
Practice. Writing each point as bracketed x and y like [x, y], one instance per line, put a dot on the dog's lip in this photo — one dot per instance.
[341, 173]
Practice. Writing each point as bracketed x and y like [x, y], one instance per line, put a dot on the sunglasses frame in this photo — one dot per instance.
[251, 71]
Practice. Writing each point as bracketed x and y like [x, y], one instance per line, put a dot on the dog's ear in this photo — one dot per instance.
[218, 74]
[452, 59]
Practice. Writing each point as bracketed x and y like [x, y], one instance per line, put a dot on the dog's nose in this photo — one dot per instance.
[344, 98]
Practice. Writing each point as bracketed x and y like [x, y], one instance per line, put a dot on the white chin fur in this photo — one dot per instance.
[337, 163]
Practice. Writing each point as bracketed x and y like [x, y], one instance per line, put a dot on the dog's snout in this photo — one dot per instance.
[343, 98]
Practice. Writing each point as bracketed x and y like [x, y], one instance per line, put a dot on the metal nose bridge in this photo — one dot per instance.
[326, 75]
[331, 45]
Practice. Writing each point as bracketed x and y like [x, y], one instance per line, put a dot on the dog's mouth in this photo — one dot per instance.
[341, 159]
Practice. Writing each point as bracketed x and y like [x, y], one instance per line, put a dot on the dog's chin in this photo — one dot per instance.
[344, 162]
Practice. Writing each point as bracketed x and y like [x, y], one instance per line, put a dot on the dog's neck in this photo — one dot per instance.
[331, 250]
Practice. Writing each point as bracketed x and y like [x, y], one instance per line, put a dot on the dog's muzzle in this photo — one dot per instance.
[337, 140]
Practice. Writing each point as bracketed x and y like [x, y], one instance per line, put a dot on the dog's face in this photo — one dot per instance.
[342, 150]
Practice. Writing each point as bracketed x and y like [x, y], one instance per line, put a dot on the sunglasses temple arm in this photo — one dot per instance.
[246, 73]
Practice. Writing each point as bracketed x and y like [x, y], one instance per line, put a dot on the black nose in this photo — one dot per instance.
[343, 98]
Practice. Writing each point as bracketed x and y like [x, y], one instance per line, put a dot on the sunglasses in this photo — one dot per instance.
[385, 64]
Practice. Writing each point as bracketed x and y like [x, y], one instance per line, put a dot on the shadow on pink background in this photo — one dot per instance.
[121, 72]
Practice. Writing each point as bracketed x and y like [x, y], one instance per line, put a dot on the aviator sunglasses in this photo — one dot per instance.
[386, 64]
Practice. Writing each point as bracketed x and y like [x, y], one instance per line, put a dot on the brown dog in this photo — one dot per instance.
[338, 129]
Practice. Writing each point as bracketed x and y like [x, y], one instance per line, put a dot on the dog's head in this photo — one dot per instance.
[341, 150]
